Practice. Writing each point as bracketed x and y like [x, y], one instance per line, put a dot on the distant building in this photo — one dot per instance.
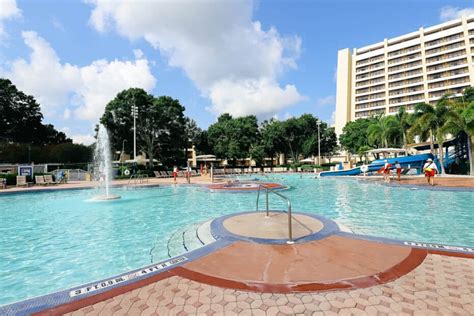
[417, 67]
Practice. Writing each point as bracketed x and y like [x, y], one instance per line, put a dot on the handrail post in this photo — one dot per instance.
[267, 201]
[258, 197]
[290, 228]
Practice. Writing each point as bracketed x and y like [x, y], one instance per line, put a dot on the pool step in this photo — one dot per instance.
[189, 238]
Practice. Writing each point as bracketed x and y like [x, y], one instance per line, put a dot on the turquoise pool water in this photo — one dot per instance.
[55, 240]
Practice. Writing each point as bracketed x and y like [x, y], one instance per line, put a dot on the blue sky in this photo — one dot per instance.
[269, 58]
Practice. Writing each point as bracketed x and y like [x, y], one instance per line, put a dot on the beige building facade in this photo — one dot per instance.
[417, 67]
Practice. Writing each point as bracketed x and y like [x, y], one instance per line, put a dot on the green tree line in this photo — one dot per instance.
[164, 132]
[23, 136]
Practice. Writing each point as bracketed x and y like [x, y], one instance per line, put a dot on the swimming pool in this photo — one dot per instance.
[55, 240]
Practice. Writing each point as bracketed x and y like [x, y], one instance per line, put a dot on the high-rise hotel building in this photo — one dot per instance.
[417, 67]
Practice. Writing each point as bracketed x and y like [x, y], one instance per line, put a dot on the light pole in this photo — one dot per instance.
[318, 123]
[134, 114]
[122, 154]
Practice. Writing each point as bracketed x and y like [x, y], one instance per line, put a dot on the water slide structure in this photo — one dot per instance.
[407, 162]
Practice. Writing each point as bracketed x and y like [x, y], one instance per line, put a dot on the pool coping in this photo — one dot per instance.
[61, 301]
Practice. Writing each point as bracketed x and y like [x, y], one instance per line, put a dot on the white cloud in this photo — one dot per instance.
[82, 139]
[57, 24]
[55, 84]
[138, 53]
[450, 13]
[8, 10]
[328, 100]
[227, 55]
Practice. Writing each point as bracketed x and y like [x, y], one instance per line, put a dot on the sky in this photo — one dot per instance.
[270, 58]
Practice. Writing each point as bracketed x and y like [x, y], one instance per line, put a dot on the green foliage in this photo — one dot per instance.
[232, 138]
[59, 153]
[354, 135]
[300, 137]
[161, 125]
[21, 119]
[383, 131]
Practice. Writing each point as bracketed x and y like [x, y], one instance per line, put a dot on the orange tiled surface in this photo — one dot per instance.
[441, 285]
[330, 259]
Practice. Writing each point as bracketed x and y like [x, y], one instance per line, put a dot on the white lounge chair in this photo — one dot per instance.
[48, 179]
[39, 180]
[21, 181]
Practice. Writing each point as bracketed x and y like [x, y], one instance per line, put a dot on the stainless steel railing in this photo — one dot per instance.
[138, 179]
[267, 190]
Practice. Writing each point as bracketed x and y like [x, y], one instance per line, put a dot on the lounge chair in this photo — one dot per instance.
[21, 181]
[48, 179]
[39, 180]
[158, 174]
[3, 183]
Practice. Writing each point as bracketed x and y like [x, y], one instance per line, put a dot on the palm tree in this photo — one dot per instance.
[385, 128]
[428, 121]
[460, 119]
[404, 122]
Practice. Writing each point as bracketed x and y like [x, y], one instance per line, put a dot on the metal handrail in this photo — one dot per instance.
[290, 229]
[138, 178]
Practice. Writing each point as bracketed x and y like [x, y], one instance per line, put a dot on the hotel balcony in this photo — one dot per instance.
[444, 49]
[398, 100]
[404, 51]
[406, 83]
[460, 63]
[400, 60]
[447, 39]
[450, 73]
[396, 69]
[369, 113]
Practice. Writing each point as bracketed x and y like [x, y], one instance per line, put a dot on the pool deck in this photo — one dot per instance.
[440, 182]
[325, 272]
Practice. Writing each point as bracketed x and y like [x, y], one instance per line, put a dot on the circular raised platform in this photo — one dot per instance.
[244, 186]
[275, 226]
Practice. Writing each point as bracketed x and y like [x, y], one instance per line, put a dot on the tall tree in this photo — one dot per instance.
[354, 135]
[429, 120]
[271, 132]
[404, 121]
[460, 119]
[160, 124]
[384, 130]
[232, 138]
[21, 119]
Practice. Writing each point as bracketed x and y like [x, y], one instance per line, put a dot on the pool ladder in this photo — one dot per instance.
[138, 179]
[270, 190]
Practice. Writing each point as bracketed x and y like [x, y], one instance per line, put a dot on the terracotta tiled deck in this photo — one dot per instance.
[441, 285]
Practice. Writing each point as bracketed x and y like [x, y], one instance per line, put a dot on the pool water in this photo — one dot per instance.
[55, 240]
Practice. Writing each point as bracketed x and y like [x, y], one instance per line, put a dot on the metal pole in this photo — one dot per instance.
[212, 172]
[319, 145]
[267, 201]
[290, 229]
[134, 133]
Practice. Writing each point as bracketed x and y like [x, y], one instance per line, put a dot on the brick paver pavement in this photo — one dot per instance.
[441, 285]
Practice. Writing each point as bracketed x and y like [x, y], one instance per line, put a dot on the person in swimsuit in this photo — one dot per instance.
[399, 169]
[386, 171]
[430, 169]
[175, 173]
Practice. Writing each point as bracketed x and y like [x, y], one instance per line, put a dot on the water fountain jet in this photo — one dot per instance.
[103, 165]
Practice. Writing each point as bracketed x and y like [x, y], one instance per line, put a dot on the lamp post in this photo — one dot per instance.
[318, 123]
[134, 114]
[122, 154]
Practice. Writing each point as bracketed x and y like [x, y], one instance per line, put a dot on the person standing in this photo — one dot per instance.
[430, 169]
[175, 173]
[386, 171]
[399, 169]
